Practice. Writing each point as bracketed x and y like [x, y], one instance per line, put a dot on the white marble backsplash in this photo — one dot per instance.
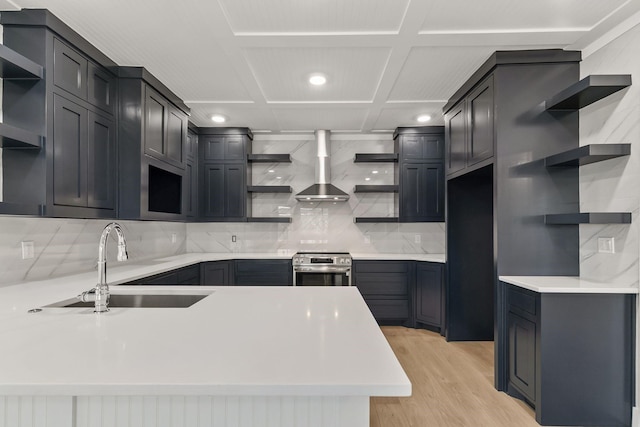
[68, 246]
[327, 226]
[612, 185]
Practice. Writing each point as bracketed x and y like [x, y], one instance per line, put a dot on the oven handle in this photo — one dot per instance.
[299, 269]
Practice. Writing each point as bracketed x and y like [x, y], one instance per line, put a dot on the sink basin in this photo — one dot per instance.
[138, 301]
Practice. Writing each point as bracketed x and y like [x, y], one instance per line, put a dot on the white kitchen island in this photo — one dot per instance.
[242, 356]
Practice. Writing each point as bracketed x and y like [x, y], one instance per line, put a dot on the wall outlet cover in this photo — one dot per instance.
[174, 237]
[28, 249]
[606, 245]
[417, 238]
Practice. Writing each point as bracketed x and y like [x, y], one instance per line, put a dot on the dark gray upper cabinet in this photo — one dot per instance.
[191, 175]
[421, 173]
[224, 174]
[469, 130]
[73, 175]
[151, 155]
[165, 129]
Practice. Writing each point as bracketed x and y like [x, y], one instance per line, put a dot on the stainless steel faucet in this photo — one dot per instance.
[100, 294]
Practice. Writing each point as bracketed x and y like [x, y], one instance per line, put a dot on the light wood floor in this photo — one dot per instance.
[452, 385]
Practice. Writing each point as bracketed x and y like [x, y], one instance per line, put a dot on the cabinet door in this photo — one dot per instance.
[192, 146]
[216, 273]
[433, 147]
[176, 135]
[422, 192]
[412, 147]
[212, 147]
[480, 105]
[191, 192]
[102, 88]
[234, 148]
[455, 138]
[429, 293]
[101, 162]
[235, 188]
[69, 153]
[189, 275]
[213, 199]
[155, 124]
[522, 355]
[69, 69]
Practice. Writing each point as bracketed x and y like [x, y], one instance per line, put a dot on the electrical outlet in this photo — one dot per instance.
[174, 237]
[606, 245]
[417, 238]
[233, 238]
[28, 250]
[367, 238]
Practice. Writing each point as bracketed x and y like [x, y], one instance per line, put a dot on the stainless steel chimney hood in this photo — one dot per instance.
[322, 190]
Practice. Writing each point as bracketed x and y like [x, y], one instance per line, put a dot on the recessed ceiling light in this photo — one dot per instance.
[317, 79]
[374, 171]
[217, 118]
[423, 118]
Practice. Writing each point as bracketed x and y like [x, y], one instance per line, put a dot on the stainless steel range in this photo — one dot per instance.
[322, 269]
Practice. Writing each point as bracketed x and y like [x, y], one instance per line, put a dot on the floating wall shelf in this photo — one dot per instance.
[376, 189]
[376, 158]
[374, 219]
[13, 137]
[269, 219]
[269, 158]
[588, 218]
[587, 91]
[7, 208]
[15, 66]
[588, 154]
[269, 189]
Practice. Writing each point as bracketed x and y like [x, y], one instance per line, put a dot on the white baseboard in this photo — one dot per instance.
[635, 417]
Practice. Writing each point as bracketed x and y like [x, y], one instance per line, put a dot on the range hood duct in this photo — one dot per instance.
[322, 190]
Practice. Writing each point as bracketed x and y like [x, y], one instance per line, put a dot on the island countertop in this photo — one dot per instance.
[311, 341]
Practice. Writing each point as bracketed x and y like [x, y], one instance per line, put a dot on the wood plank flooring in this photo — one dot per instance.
[452, 385]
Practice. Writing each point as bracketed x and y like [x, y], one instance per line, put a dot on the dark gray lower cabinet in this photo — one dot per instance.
[217, 273]
[429, 294]
[570, 356]
[386, 288]
[263, 272]
[183, 276]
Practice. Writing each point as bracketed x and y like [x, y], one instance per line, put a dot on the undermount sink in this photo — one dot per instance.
[138, 301]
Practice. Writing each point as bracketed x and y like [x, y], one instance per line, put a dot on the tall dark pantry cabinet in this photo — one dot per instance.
[511, 212]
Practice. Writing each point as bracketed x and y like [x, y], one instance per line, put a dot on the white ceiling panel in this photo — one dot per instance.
[386, 60]
[435, 73]
[237, 115]
[310, 118]
[492, 15]
[393, 116]
[319, 16]
[352, 74]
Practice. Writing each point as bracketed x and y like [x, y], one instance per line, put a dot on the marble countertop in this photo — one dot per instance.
[236, 341]
[567, 284]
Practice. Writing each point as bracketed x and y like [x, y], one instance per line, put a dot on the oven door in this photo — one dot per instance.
[322, 278]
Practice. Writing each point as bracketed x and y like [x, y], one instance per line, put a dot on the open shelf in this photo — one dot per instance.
[8, 208]
[13, 137]
[269, 189]
[284, 219]
[588, 154]
[588, 218]
[376, 189]
[373, 219]
[587, 91]
[376, 158]
[269, 158]
[15, 66]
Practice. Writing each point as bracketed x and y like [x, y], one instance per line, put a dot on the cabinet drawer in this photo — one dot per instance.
[385, 284]
[521, 300]
[69, 69]
[263, 272]
[389, 309]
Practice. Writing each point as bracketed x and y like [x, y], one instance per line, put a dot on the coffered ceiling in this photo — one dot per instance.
[386, 61]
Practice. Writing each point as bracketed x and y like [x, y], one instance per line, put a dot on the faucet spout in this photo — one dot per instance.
[101, 291]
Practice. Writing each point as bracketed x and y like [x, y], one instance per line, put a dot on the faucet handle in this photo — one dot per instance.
[88, 296]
